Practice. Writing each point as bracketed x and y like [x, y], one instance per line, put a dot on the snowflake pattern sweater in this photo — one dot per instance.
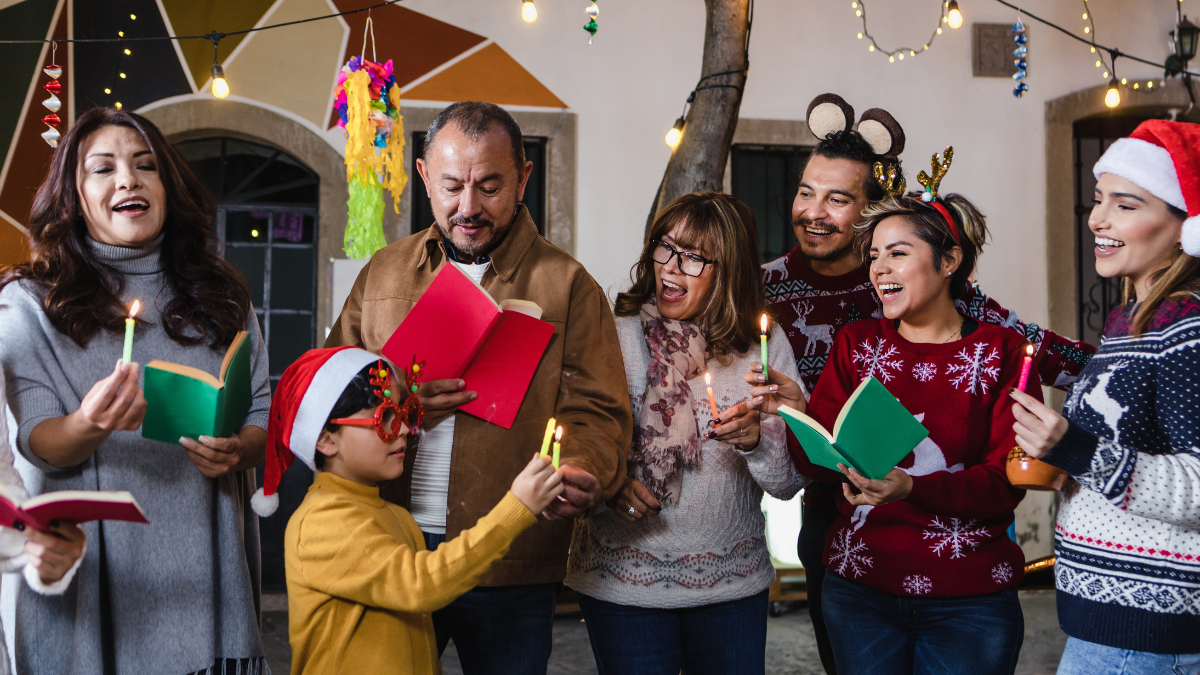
[948, 538]
[1128, 543]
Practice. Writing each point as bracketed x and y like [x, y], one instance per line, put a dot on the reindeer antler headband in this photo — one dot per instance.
[932, 183]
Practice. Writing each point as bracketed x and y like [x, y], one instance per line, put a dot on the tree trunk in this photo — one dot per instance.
[699, 161]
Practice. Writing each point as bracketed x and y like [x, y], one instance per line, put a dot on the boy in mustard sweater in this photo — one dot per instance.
[361, 585]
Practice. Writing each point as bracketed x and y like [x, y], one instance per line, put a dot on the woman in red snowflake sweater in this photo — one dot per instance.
[924, 575]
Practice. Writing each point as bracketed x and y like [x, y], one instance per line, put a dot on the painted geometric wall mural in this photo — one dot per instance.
[292, 69]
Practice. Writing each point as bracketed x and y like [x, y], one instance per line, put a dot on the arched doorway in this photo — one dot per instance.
[267, 227]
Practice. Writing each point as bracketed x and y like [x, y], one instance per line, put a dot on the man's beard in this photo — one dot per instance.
[475, 247]
[811, 254]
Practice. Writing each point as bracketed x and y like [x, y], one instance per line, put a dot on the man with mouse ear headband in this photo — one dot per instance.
[823, 284]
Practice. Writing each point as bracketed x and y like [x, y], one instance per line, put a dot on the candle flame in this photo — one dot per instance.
[558, 434]
[708, 379]
[1029, 350]
[762, 323]
[133, 309]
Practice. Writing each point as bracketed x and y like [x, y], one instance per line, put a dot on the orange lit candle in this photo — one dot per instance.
[762, 337]
[712, 400]
[557, 446]
[127, 352]
[1026, 363]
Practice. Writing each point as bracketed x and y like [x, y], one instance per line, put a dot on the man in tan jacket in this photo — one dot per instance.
[475, 171]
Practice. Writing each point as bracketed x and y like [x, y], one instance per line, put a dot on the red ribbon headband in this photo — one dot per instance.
[949, 220]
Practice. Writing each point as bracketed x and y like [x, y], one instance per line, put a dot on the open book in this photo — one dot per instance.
[186, 401]
[460, 331]
[873, 432]
[72, 506]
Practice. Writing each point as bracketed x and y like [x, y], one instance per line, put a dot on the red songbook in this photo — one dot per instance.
[73, 506]
[460, 331]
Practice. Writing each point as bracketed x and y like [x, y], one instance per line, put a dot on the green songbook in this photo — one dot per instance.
[185, 401]
[873, 432]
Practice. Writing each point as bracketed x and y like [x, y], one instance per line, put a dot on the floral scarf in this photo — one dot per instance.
[667, 436]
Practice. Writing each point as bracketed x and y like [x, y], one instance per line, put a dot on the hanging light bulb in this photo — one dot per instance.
[953, 16]
[528, 11]
[1112, 98]
[220, 88]
[675, 134]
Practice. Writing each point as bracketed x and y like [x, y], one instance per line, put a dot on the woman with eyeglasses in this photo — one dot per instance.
[672, 572]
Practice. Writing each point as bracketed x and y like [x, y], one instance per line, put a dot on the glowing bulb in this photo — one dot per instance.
[1097, 63]
[254, 233]
[954, 17]
[1135, 85]
[107, 90]
[133, 17]
[860, 36]
[1124, 81]
[911, 53]
[1085, 16]
[1093, 50]
[675, 134]
[939, 30]
[891, 59]
[901, 56]
[1149, 85]
[120, 33]
[871, 48]
[122, 76]
[1104, 75]
[127, 52]
[1112, 98]
[1087, 29]
[528, 11]
[118, 105]
[220, 88]
[858, 13]
[854, 5]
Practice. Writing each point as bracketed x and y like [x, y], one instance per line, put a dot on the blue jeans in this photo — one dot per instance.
[498, 630]
[1088, 658]
[726, 638]
[883, 634]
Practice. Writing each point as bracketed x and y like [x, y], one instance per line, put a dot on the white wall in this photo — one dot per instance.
[630, 85]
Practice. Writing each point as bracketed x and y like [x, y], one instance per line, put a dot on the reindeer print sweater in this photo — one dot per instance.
[948, 537]
[1128, 543]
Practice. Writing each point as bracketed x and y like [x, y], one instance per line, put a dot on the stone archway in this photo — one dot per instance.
[199, 117]
[1061, 115]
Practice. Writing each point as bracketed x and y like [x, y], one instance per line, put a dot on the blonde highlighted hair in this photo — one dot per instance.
[932, 228]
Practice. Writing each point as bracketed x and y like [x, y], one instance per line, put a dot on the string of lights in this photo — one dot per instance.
[948, 14]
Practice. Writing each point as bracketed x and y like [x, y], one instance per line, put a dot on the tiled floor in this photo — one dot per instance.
[790, 646]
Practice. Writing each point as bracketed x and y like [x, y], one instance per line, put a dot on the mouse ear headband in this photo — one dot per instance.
[829, 114]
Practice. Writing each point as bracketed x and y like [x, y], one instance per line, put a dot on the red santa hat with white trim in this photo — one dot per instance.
[1162, 158]
[300, 407]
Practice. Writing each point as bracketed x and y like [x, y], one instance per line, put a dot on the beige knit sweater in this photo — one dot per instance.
[710, 546]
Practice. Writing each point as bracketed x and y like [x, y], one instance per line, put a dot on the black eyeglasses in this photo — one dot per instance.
[689, 263]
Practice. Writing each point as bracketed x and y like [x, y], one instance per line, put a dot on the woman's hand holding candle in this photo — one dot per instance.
[115, 403]
[1039, 428]
[739, 427]
[768, 392]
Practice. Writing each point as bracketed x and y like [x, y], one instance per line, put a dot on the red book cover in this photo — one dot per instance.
[459, 331]
[73, 506]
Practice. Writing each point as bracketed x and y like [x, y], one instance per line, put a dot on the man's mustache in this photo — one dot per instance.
[477, 221]
[818, 224]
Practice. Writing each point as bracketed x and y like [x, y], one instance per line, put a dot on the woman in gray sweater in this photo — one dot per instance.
[119, 218]
[673, 571]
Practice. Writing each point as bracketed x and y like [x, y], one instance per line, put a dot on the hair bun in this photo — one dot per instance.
[829, 114]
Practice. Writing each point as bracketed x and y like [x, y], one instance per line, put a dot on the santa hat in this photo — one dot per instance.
[303, 399]
[1162, 158]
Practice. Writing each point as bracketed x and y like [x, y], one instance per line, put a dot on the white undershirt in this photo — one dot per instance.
[431, 469]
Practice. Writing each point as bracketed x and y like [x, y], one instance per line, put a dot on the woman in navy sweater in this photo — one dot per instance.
[1128, 531]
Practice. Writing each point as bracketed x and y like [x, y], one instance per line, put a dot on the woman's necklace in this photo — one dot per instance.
[957, 334]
